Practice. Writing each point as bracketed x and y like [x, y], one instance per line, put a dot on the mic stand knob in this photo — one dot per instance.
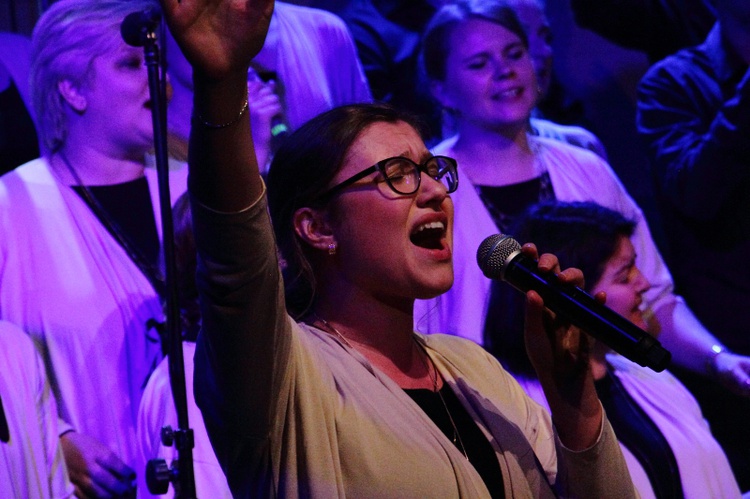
[158, 476]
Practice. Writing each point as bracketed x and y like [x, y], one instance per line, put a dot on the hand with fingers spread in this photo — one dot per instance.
[219, 37]
[95, 470]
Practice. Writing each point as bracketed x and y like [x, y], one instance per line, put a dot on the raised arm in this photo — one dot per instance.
[243, 342]
[219, 38]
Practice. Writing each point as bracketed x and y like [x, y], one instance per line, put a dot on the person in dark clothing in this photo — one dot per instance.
[694, 114]
[657, 27]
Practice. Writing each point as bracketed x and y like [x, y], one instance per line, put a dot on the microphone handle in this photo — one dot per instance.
[581, 309]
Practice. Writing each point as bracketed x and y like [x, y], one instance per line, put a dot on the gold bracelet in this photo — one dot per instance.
[214, 126]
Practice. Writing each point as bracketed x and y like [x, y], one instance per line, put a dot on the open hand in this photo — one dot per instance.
[218, 37]
[94, 469]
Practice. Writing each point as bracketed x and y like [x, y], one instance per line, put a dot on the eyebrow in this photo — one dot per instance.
[625, 266]
[487, 53]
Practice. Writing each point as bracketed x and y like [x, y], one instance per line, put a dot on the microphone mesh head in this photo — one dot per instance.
[494, 252]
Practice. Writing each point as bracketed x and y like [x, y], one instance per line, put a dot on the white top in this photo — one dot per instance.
[315, 59]
[704, 469]
[576, 175]
[70, 285]
[158, 410]
[31, 462]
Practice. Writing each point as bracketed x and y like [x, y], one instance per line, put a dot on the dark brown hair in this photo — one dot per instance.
[301, 171]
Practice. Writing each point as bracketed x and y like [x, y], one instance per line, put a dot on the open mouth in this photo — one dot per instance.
[430, 236]
[508, 94]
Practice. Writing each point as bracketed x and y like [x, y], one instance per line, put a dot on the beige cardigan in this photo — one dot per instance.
[292, 412]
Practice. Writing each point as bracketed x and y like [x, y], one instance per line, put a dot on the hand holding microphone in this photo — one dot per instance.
[500, 257]
[266, 117]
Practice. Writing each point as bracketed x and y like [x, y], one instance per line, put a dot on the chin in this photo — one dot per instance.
[435, 289]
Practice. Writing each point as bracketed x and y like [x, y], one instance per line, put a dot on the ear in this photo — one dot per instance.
[438, 91]
[72, 95]
[313, 227]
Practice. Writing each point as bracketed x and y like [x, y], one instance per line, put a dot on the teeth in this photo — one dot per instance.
[431, 225]
[510, 93]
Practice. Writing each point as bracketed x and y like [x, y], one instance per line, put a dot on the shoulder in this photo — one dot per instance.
[576, 170]
[16, 347]
[15, 50]
[573, 135]
[680, 65]
[555, 151]
[445, 147]
[460, 351]
[35, 171]
[310, 17]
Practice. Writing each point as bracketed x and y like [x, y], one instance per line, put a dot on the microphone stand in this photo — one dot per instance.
[139, 29]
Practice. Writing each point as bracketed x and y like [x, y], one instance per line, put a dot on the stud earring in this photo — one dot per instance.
[332, 249]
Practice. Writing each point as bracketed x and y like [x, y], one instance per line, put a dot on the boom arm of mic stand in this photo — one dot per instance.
[183, 477]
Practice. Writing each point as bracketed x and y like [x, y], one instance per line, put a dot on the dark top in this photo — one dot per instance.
[477, 447]
[128, 215]
[506, 203]
[506, 305]
[641, 436]
[18, 139]
[694, 113]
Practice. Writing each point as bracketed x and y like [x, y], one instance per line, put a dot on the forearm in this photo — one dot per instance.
[692, 346]
[223, 168]
[576, 411]
[598, 471]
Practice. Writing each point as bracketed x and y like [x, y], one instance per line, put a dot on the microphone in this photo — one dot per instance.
[279, 130]
[138, 27]
[500, 257]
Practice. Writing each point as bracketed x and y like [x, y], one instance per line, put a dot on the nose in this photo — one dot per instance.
[503, 69]
[431, 190]
[641, 283]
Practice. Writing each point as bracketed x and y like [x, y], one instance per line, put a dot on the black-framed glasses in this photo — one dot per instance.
[403, 175]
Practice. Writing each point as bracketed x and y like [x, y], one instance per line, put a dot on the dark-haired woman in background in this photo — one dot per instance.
[668, 446]
[475, 53]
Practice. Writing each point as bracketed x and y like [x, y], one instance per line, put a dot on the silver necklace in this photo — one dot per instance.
[457, 441]
[328, 327]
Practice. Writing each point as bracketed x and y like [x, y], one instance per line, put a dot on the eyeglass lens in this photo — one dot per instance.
[403, 174]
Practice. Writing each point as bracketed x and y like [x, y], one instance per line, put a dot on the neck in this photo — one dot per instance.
[492, 157]
[93, 167]
[382, 332]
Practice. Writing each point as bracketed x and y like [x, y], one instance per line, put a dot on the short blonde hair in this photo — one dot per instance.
[66, 40]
